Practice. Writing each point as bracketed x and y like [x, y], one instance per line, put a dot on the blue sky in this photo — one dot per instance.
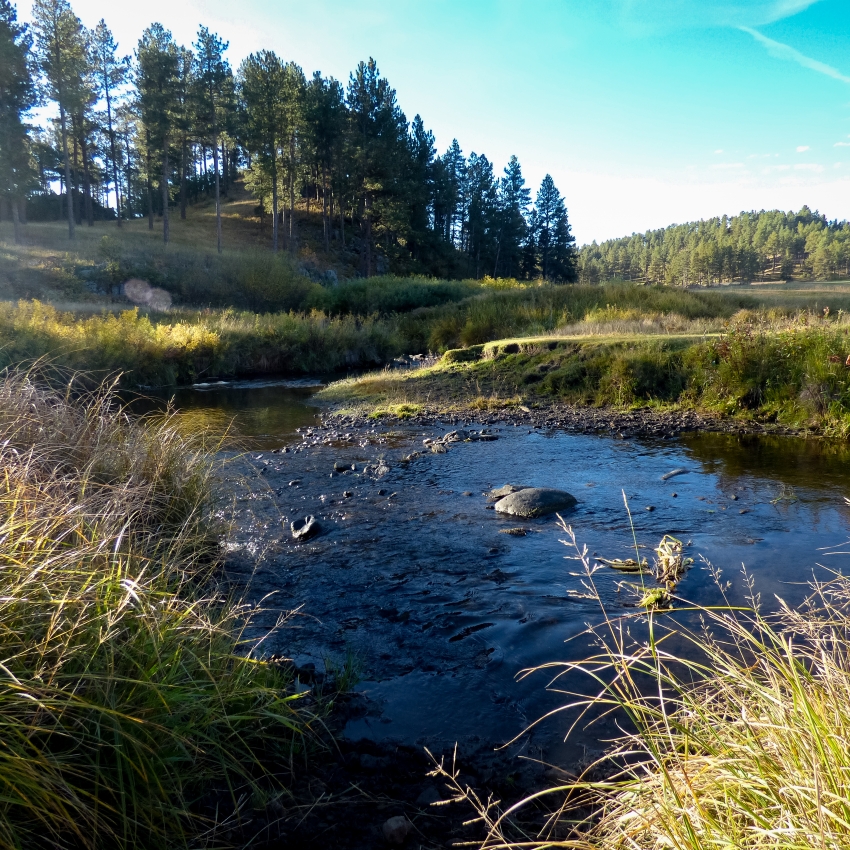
[645, 112]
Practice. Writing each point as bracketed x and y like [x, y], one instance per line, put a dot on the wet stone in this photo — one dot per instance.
[535, 502]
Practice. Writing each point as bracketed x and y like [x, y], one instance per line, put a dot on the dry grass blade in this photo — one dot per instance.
[738, 741]
[124, 695]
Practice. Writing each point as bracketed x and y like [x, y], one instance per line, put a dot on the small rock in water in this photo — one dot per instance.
[733, 497]
[382, 492]
[295, 483]
[535, 501]
[339, 466]
[304, 529]
[466, 493]
[438, 448]
[347, 494]
[504, 490]
[674, 495]
[396, 830]
[515, 532]
[650, 507]
[428, 797]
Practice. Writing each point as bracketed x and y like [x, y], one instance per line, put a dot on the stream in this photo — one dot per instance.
[413, 584]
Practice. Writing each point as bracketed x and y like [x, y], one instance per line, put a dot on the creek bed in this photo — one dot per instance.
[412, 580]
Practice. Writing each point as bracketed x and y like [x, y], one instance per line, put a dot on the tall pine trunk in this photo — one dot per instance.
[183, 178]
[75, 189]
[114, 157]
[84, 149]
[291, 188]
[150, 189]
[325, 222]
[165, 229]
[16, 219]
[274, 205]
[63, 123]
[217, 192]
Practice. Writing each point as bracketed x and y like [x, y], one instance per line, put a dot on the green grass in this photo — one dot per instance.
[786, 371]
[126, 699]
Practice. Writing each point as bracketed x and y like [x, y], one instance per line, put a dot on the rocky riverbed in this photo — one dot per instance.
[433, 602]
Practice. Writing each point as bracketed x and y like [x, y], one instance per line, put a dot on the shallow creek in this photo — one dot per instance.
[412, 578]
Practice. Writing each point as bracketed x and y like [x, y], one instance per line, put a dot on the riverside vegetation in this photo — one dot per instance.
[131, 715]
[739, 739]
[782, 366]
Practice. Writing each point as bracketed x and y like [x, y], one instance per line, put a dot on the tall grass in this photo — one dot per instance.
[185, 346]
[125, 698]
[182, 348]
[738, 739]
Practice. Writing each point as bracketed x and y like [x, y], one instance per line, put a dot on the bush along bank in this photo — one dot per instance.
[184, 346]
[171, 350]
[130, 716]
[794, 376]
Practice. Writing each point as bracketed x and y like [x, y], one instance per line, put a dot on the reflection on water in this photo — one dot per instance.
[790, 461]
[251, 414]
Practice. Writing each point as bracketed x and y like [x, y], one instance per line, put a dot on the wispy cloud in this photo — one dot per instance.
[842, 145]
[784, 51]
[645, 17]
[803, 148]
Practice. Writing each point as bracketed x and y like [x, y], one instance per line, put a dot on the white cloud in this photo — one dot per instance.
[719, 150]
[784, 51]
[842, 145]
[727, 165]
[642, 17]
[808, 166]
[803, 148]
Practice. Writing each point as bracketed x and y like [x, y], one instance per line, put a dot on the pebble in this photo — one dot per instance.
[650, 507]
[396, 830]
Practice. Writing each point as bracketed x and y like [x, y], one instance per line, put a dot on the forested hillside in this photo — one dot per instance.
[150, 134]
[750, 246]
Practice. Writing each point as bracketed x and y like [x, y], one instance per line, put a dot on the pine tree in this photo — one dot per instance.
[555, 243]
[61, 55]
[261, 122]
[325, 120]
[214, 82]
[514, 200]
[292, 91]
[157, 67]
[111, 73]
[17, 97]
[380, 157]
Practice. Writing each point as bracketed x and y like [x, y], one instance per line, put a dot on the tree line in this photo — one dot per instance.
[750, 246]
[149, 134]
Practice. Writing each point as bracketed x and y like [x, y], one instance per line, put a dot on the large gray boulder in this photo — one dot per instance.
[535, 501]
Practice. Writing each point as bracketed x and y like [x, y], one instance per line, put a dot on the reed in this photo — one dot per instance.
[126, 696]
[737, 739]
